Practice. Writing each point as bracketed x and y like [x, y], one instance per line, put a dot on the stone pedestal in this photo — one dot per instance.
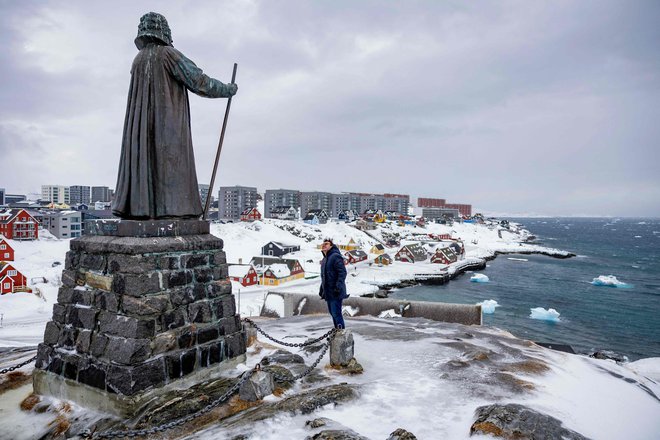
[144, 306]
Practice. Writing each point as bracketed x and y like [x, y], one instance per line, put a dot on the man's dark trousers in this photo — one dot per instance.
[334, 307]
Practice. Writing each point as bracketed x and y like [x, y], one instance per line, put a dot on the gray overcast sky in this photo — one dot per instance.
[513, 106]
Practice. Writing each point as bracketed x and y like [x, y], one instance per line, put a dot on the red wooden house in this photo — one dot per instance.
[11, 280]
[244, 274]
[444, 255]
[6, 251]
[18, 224]
[354, 256]
[411, 253]
[250, 215]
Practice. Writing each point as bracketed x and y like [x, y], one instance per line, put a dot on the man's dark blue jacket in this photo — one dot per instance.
[333, 275]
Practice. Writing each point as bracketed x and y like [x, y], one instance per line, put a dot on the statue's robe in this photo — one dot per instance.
[157, 177]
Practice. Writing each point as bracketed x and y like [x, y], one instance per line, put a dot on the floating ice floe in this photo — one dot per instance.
[517, 259]
[544, 315]
[479, 278]
[610, 281]
[488, 306]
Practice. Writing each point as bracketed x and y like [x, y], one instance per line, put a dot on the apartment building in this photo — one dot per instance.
[315, 200]
[233, 200]
[55, 193]
[277, 198]
[79, 194]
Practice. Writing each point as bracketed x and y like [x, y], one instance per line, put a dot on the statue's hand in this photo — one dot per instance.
[233, 88]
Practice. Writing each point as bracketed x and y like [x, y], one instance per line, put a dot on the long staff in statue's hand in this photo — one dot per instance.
[217, 156]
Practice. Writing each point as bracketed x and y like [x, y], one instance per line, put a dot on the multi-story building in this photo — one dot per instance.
[2, 196]
[101, 194]
[426, 202]
[204, 193]
[315, 200]
[278, 198]
[55, 193]
[344, 202]
[439, 213]
[18, 224]
[79, 194]
[464, 209]
[233, 200]
[63, 224]
[397, 203]
[14, 198]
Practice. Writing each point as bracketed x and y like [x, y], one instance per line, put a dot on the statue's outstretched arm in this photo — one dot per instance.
[185, 71]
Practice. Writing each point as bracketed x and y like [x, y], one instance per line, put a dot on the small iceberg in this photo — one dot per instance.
[545, 315]
[488, 306]
[479, 278]
[610, 281]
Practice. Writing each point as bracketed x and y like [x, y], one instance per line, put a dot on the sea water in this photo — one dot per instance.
[624, 319]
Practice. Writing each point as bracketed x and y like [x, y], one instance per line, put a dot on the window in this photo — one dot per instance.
[7, 255]
[65, 234]
[7, 286]
[64, 219]
[3, 247]
[65, 227]
[12, 273]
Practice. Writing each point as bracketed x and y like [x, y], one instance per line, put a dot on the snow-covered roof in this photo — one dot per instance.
[279, 270]
[239, 270]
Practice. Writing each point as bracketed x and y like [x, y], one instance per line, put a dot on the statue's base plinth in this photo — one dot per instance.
[146, 228]
[137, 315]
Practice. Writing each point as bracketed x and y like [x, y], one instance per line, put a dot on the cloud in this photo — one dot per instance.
[510, 106]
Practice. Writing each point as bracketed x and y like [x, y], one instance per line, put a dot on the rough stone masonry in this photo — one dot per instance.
[143, 305]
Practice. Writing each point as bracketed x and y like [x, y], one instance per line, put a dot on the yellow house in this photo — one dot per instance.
[350, 246]
[379, 217]
[377, 249]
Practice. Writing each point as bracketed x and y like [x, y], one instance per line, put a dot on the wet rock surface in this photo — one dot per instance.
[514, 421]
[401, 434]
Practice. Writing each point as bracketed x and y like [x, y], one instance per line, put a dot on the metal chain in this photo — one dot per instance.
[166, 426]
[183, 420]
[290, 344]
[307, 370]
[17, 366]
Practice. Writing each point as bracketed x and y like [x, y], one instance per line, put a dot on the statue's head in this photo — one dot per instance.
[153, 27]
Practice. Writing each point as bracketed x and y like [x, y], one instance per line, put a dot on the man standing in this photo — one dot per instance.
[157, 177]
[333, 281]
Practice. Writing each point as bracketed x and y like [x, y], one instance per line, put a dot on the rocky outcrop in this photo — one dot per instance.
[514, 421]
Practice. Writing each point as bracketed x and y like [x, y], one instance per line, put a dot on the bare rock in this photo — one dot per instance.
[341, 348]
[258, 386]
[401, 434]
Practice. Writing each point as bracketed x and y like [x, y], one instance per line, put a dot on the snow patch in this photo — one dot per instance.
[389, 314]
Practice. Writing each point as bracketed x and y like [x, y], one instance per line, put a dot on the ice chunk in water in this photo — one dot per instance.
[488, 306]
[545, 315]
[479, 278]
[610, 281]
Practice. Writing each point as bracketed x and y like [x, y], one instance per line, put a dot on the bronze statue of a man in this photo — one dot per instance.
[157, 178]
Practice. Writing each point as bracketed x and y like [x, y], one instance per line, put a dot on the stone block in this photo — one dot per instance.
[181, 295]
[44, 353]
[169, 262]
[72, 260]
[145, 305]
[195, 260]
[146, 245]
[219, 288]
[207, 334]
[67, 338]
[52, 332]
[217, 257]
[228, 326]
[235, 344]
[80, 317]
[199, 311]
[74, 295]
[163, 343]
[132, 264]
[72, 278]
[258, 386]
[186, 337]
[98, 345]
[136, 284]
[126, 326]
[59, 313]
[217, 352]
[188, 361]
[98, 281]
[199, 291]
[93, 375]
[128, 351]
[342, 348]
[65, 294]
[223, 307]
[108, 301]
[131, 380]
[221, 272]
[96, 262]
[56, 364]
[178, 278]
[175, 318]
[84, 341]
[70, 370]
[203, 274]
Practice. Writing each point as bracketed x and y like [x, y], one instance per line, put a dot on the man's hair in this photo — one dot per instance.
[329, 240]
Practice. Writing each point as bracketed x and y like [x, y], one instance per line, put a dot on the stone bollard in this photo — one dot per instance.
[257, 387]
[250, 335]
[341, 348]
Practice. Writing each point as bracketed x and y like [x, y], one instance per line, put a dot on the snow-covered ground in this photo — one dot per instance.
[409, 385]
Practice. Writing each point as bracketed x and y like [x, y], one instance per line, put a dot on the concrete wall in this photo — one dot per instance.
[291, 304]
